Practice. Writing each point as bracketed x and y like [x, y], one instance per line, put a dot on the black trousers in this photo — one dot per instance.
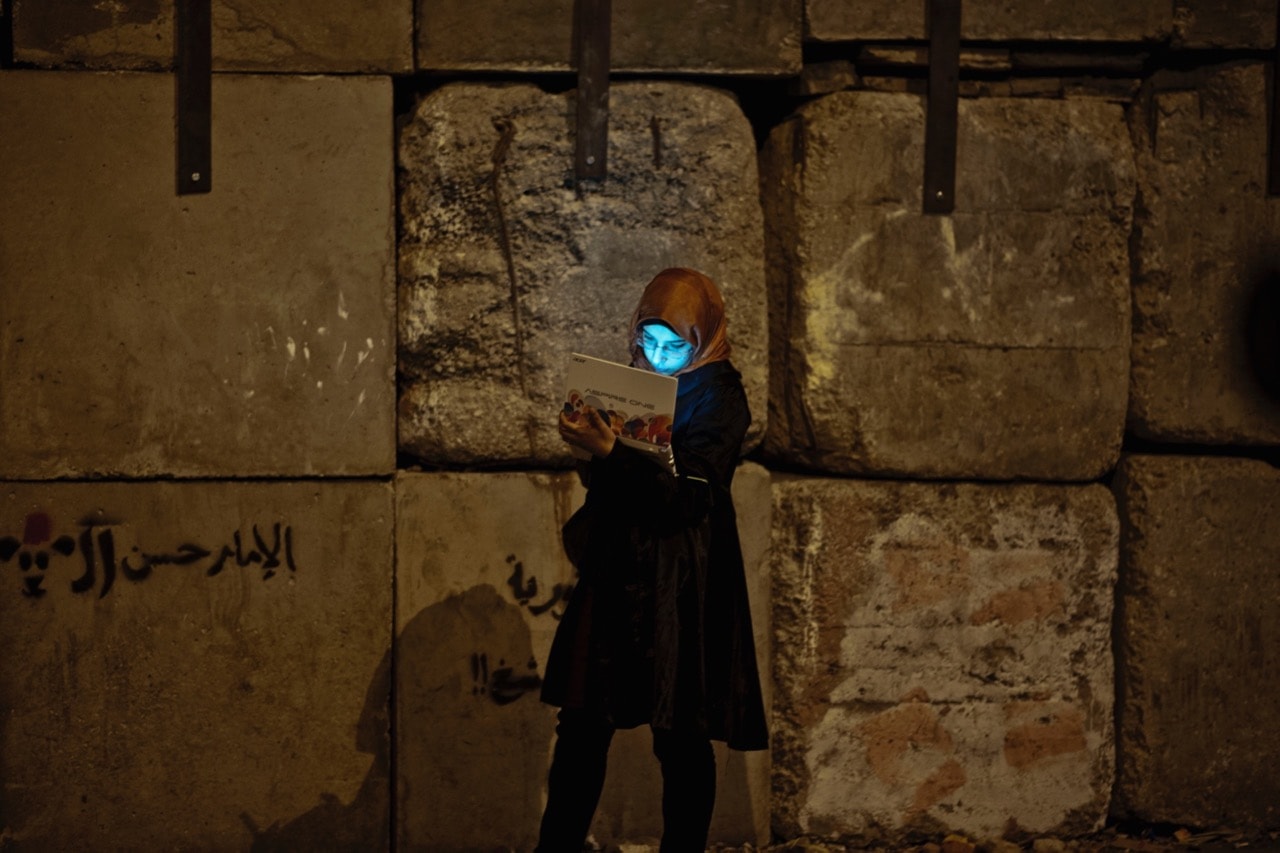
[577, 777]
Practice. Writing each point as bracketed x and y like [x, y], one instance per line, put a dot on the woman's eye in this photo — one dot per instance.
[675, 348]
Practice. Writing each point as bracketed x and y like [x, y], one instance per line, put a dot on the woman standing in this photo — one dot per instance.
[658, 629]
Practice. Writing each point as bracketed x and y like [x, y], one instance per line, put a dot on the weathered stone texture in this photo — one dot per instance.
[1224, 23]
[1204, 266]
[249, 331]
[505, 268]
[690, 36]
[481, 583]
[942, 658]
[1198, 643]
[1096, 20]
[989, 343]
[198, 666]
[284, 35]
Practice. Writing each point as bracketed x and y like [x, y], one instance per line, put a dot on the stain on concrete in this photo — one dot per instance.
[940, 784]
[927, 574]
[1037, 600]
[1052, 729]
[892, 735]
[46, 23]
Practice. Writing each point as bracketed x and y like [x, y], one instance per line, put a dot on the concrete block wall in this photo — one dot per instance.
[1198, 651]
[666, 36]
[1205, 260]
[1185, 23]
[196, 665]
[1021, 20]
[506, 267]
[149, 334]
[481, 582]
[197, 440]
[292, 37]
[1009, 318]
[933, 579]
[943, 658]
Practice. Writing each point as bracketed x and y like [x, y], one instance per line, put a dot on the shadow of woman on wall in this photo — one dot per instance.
[471, 740]
[362, 824]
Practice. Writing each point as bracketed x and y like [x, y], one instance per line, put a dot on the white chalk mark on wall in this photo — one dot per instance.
[356, 408]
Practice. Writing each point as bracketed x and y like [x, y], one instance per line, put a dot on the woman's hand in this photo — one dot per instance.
[590, 432]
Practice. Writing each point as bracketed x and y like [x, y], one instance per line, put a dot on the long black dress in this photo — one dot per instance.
[658, 629]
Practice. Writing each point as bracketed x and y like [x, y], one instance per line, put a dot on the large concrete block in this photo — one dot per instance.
[480, 585]
[1224, 23]
[506, 268]
[689, 36]
[997, 20]
[1205, 293]
[942, 658]
[284, 35]
[1198, 647]
[988, 343]
[249, 331]
[197, 666]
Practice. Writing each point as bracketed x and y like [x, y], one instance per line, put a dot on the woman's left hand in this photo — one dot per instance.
[590, 432]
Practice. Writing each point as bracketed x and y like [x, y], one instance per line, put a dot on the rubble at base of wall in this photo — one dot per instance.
[1130, 839]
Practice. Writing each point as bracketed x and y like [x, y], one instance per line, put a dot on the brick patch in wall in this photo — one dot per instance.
[943, 658]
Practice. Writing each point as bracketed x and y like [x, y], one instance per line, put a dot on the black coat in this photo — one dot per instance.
[658, 629]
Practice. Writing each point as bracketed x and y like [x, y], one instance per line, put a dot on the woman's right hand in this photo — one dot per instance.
[590, 432]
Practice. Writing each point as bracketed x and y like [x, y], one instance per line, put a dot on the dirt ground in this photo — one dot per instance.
[1111, 840]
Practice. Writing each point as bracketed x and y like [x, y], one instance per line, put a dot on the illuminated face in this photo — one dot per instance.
[666, 351]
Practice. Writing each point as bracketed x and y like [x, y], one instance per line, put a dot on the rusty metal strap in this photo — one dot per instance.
[6, 33]
[592, 32]
[1273, 142]
[194, 65]
[943, 103]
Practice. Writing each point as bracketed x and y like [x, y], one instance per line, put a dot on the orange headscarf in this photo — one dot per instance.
[691, 305]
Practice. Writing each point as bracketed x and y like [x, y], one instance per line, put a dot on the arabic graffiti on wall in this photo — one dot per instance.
[503, 684]
[524, 591]
[103, 559]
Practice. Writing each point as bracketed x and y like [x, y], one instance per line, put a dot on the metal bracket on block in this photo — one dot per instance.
[1273, 141]
[194, 65]
[6, 33]
[592, 30]
[943, 103]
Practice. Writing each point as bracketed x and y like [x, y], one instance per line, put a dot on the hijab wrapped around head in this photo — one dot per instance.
[690, 304]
